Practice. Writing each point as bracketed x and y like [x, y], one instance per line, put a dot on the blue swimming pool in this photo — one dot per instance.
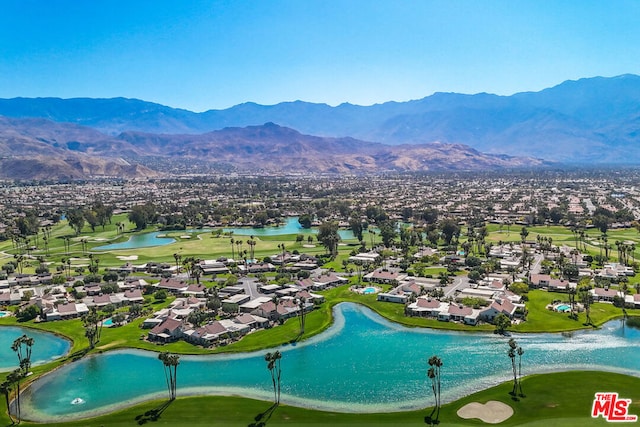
[563, 308]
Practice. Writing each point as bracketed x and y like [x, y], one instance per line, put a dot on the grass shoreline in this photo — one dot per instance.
[546, 402]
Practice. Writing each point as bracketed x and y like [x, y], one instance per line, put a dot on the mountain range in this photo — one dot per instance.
[593, 120]
[42, 149]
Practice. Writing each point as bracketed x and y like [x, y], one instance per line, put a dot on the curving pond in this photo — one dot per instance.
[361, 363]
[290, 226]
[145, 240]
[46, 346]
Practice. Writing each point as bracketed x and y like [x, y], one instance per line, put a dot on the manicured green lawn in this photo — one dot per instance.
[557, 399]
[540, 319]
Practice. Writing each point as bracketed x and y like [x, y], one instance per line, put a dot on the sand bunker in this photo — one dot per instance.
[127, 258]
[492, 412]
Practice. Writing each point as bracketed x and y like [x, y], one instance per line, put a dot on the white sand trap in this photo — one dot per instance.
[185, 237]
[127, 258]
[492, 412]
[308, 246]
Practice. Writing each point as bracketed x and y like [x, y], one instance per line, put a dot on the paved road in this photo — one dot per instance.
[537, 263]
[250, 285]
[459, 283]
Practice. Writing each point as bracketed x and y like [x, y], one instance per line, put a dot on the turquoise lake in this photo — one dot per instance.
[145, 240]
[291, 226]
[362, 363]
[45, 347]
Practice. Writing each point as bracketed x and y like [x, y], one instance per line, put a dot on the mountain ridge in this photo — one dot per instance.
[588, 120]
[40, 149]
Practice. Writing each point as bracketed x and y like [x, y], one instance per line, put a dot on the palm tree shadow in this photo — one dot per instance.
[430, 420]
[152, 414]
[261, 419]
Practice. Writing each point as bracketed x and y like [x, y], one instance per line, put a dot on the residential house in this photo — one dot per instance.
[382, 275]
[167, 331]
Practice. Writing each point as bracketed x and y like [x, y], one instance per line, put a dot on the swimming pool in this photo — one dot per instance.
[107, 322]
[369, 290]
[563, 308]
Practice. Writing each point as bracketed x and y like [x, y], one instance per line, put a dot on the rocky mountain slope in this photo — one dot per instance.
[42, 149]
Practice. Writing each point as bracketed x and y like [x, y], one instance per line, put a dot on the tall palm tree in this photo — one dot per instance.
[512, 355]
[273, 365]
[22, 347]
[283, 248]
[302, 315]
[233, 255]
[5, 388]
[520, 352]
[178, 258]
[14, 378]
[433, 373]
[92, 327]
[572, 301]
[252, 243]
[170, 362]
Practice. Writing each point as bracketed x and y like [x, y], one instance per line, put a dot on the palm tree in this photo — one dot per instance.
[14, 378]
[233, 242]
[572, 301]
[252, 243]
[170, 362]
[178, 258]
[433, 373]
[5, 388]
[282, 247]
[520, 352]
[585, 298]
[302, 315]
[19, 262]
[512, 355]
[92, 327]
[273, 365]
[24, 355]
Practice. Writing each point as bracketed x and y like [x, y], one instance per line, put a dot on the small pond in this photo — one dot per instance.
[46, 346]
[144, 240]
[291, 226]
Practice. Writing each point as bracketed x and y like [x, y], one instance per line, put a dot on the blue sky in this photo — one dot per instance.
[200, 55]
